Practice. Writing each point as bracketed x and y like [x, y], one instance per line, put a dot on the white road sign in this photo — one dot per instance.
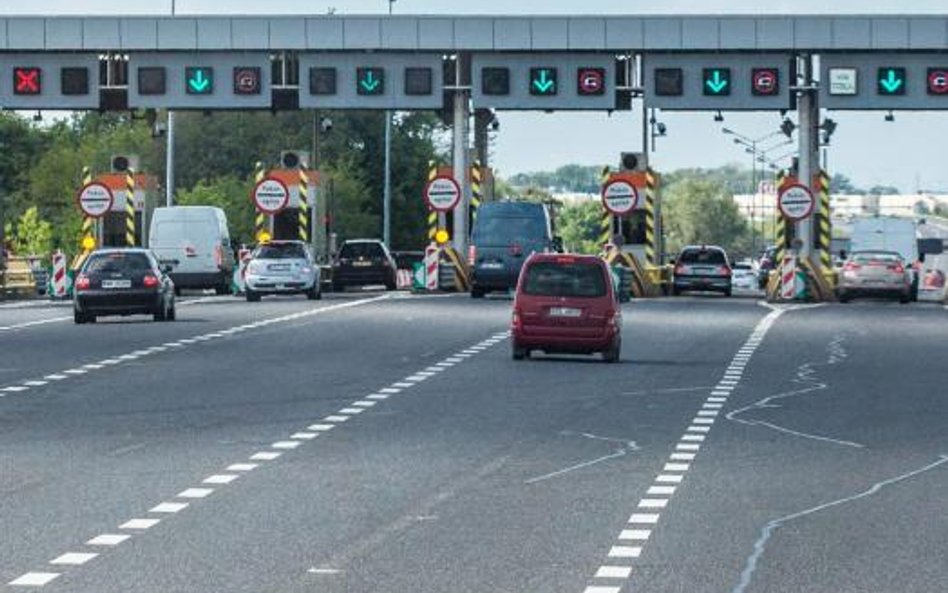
[271, 195]
[442, 193]
[620, 197]
[95, 200]
[843, 81]
[796, 202]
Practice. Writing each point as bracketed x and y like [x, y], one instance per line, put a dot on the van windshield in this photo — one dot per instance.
[565, 280]
[507, 230]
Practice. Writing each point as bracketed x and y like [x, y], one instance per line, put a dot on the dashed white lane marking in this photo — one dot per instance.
[242, 467]
[220, 479]
[55, 377]
[74, 558]
[195, 493]
[296, 439]
[34, 579]
[139, 524]
[614, 572]
[621, 558]
[33, 323]
[169, 507]
[107, 539]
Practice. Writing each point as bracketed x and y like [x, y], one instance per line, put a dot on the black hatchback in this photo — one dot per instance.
[123, 282]
[364, 262]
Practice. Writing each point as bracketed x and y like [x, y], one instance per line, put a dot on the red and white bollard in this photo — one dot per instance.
[60, 288]
[432, 262]
[788, 278]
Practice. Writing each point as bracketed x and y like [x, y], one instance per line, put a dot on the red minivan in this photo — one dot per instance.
[566, 304]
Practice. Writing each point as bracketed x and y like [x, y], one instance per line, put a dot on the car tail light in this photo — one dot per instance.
[150, 281]
[218, 256]
[83, 282]
[851, 267]
[517, 321]
[566, 260]
[897, 268]
[471, 255]
[680, 269]
[724, 270]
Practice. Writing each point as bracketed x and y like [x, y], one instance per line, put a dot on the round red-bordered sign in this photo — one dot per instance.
[442, 194]
[95, 199]
[620, 197]
[796, 202]
[270, 195]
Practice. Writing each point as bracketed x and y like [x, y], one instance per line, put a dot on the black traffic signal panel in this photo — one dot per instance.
[543, 82]
[591, 82]
[152, 81]
[370, 81]
[669, 82]
[765, 82]
[247, 80]
[74, 81]
[418, 81]
[322, 81]
[495, 81]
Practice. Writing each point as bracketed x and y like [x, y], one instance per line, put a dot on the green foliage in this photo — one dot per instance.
[229, 193]
[578, 224]
[883, 190]
[568, 178]
[701, 211]
[31, 235]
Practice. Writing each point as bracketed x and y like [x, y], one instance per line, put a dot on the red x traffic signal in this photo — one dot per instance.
[27, 81]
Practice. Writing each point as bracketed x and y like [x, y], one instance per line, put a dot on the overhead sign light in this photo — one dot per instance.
[591, 81]
[27, 81]
[151, 81]
[322, 81]
[495, 81]
[199, 80]
[669, 82]
[717, 82]
[74, 81]
[418, 81]
[246, 80]
[891, 81]
[765, 81]
[938, 81]
[543, 82]
[370, 81]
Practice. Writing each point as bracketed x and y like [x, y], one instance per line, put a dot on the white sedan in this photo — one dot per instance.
[282, 267]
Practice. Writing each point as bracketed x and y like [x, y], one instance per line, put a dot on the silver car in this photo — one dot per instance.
[282, 267]
[875, 274]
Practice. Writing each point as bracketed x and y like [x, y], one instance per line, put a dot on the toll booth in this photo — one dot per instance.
[114, 223]
[287, 224]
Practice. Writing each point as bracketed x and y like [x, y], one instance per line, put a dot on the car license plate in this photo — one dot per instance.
[493, 265]
[116, 284]
[362, 264]
[564, 312]
[279, 268]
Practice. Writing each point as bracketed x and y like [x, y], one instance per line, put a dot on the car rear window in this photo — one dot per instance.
[703, 256]
[877, 257]
[354, 250]
[508, 230]
[280, 251]
[122, 263]
[565, 280]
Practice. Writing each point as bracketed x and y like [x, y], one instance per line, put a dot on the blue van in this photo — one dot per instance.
[503, 237]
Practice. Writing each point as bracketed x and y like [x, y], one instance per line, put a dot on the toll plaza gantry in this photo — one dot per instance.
[465, 63]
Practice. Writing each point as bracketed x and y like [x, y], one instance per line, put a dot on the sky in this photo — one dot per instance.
[904, 153]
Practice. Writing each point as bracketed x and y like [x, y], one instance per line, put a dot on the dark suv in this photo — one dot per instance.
[702, 267]
[364, 262]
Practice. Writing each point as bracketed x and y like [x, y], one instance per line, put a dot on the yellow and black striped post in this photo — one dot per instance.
[432, 214]
[606, 224]
[131, 238]
[825, 230]
[260, 219]
[651, 244]
[781, 238]
[304, 206]
[88, 223]
[477, 191]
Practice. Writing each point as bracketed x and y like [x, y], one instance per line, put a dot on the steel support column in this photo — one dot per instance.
[808, 110]
[462, 116]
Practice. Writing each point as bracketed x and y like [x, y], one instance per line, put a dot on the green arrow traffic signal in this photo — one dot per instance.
[370, 81]
[199, 80]
[717, 81]
[891, 81]
[543, 81]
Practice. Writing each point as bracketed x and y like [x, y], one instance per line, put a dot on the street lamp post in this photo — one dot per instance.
[387, 190]
[750, 146]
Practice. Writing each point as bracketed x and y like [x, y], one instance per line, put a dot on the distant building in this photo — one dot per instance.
[763, 206]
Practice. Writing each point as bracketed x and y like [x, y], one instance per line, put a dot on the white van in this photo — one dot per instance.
[196, 242]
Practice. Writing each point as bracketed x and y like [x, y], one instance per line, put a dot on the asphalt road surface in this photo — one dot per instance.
[371, 442]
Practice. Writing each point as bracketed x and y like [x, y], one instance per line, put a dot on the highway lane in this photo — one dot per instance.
[467, 471]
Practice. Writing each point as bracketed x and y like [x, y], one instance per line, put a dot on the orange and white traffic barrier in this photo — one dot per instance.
[60, 281]
[432, 262]
[240, 272]
[403, 279]
[788, 278]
